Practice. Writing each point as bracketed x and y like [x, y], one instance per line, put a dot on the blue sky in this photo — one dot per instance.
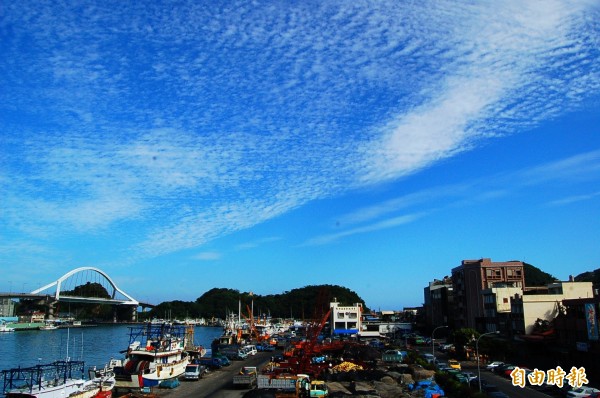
[264, 146]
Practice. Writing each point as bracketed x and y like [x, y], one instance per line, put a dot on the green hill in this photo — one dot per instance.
[590, 276]
[536, 277]
[308, 302]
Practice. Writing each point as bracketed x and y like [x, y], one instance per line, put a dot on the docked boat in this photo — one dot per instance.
[58, 379]
[156, 354]
[4, 328]
[48, 326]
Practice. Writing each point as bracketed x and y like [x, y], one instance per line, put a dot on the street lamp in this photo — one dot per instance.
[477, 353]
[433, 342]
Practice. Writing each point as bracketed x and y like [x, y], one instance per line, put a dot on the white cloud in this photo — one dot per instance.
[189, 123]
[208, 256]
[574, 199]
[378, 226]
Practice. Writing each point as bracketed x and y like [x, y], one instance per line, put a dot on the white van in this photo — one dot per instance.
[193, 372]
[250, 349]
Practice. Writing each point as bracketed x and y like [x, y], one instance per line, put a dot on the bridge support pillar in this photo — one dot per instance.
[51, 308]
[115, 314]
[134, 314]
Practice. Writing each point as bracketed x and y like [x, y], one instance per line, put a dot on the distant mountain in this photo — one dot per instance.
[536, 277]
[590, 276]
[308, 302]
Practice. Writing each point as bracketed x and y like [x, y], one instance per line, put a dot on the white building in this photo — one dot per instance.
[526, 309]
[345, 319]
[496, 307]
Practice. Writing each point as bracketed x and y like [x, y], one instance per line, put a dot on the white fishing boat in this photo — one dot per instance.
[156, 354]
[58, 379]
[48, 326]
[5, 328]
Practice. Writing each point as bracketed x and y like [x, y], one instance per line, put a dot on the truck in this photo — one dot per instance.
[224, 360]
[293, 386]
[233, 353]
[394, 356]
[247, 377]
[277, 383]
[210, 362]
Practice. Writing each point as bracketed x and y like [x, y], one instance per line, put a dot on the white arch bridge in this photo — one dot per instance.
[82, 285]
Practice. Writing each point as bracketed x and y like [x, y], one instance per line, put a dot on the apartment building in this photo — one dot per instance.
[497, 308]
[471, 278]
[438, 303]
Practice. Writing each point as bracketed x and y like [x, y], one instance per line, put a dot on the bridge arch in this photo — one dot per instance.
[130, 300]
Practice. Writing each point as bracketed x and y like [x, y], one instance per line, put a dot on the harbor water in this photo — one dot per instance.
[95, 345]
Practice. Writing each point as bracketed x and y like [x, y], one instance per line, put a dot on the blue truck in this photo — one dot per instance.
[210, 362]
[394, 356]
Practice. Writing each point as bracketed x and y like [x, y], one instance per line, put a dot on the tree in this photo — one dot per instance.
[536, 277]
[298, 303]
[462, 338]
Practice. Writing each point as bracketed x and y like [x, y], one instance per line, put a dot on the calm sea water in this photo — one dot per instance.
[94, 345]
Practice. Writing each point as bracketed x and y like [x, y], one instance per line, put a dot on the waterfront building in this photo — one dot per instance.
[384, 324]
[7, 307]
[34, 317]
[345, 320]
[471, 278]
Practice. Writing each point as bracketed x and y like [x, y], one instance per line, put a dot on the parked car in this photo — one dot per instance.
[509, 369]
[491, 366]
[447, 348]
[428, 357]
[265, 347]
[500, 368]
[454, 364]
[581, 392]
[469, 376]
[194, 372]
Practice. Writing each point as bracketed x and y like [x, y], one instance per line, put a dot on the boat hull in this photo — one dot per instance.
[49, 391]
[160, 356]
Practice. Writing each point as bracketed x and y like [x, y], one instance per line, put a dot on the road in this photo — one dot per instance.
[505, 385]
[217, 383]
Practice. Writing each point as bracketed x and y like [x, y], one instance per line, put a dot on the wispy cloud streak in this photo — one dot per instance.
[184, 124]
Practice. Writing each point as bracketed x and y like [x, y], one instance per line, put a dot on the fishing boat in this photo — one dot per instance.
[58, 379]
[4, 328]
[156, 354]
[48, 326]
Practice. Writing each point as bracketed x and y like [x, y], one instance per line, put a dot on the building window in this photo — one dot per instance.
[493, 273]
